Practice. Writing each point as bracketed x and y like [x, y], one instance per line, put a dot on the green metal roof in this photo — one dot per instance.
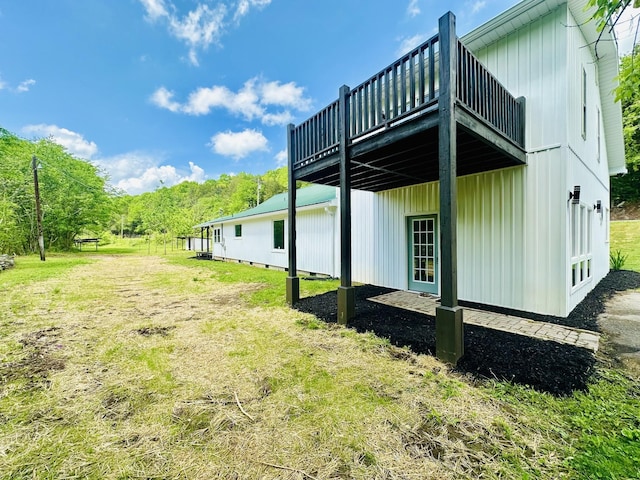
[304, 197]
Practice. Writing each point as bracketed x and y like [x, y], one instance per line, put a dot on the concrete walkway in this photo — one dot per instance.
[506, 323]
[620, 323]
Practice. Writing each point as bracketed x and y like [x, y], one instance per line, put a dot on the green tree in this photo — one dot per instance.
[607, 14]
[627, 187]
[75, 195]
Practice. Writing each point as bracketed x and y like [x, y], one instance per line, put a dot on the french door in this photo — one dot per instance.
[422, 238]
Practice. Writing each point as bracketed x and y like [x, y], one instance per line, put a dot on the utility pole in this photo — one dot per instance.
[34, 165]
[258, 192]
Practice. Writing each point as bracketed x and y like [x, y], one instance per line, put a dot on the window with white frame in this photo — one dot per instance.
[217, 235]
[598, 133]
[581, 244]
[584, 103]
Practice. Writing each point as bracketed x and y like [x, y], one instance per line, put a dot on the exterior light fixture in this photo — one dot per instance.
[597, 208]
[575, 195]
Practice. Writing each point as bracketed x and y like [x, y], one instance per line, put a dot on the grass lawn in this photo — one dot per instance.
[625, 237]
[126, 364]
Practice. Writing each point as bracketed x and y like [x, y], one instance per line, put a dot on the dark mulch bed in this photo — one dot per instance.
[545, 366]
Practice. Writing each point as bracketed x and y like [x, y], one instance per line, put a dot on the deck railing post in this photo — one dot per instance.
[293, 282]
[522, 116]
[449, 329]
[346, 293]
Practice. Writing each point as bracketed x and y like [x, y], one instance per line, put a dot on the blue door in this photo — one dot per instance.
[423, 253]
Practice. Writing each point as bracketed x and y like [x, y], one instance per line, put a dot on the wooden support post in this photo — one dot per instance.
[293, 282]
[449, 326]
[346, 293]
[34, 165]
[522, 115]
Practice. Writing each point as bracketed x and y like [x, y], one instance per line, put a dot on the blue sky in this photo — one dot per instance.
[174, 90]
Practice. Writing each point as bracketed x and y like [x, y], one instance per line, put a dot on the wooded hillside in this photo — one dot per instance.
[177, 209]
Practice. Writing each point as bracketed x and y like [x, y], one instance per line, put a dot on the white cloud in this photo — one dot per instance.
[282, 158]
[409, 43]
[238, 145]
[626, 29]
[162, 98]
[155, 9]
[134, 172]
[287, 94]
[281, 118]
[197, 173]
[244, 6]
[137, 172]
[413, 9]
[251, 102]
[74, 142]
[25, 84]
[244, 103]
[202, 26]
[21, 88]
[199, 28]
[477, 6]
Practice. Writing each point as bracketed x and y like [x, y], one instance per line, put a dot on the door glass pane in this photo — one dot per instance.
[423, 261]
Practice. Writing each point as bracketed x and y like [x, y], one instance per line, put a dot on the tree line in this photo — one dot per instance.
[175, 210]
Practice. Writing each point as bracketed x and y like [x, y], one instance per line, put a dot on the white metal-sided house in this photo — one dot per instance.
[488, 158]
[257, 236]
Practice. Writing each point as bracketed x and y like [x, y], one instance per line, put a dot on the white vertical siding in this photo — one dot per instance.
[314, 239]
[362, 238]
[512, 236]
[531, 62]
[504, 233]
[390, 240]
[584, 167]
[316, 232]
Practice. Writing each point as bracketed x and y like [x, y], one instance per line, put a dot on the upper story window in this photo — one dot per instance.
[598, 139]
[584, 103]
[238, 231]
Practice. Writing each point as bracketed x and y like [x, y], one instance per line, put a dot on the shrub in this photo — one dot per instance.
[617, 260]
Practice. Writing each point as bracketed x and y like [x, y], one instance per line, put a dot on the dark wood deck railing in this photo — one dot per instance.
[316, 137]
[482, 93]
[404, 89]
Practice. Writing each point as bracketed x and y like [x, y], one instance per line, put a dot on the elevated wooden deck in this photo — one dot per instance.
[391, 125]
[434, 114]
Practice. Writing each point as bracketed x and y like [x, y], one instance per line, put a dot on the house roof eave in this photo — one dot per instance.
[606, 53]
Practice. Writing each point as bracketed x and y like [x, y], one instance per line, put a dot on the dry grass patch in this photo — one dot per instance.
[164, 376]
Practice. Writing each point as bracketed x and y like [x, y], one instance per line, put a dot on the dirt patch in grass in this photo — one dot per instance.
[628, 211]
[41, 356]
[148, 331]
